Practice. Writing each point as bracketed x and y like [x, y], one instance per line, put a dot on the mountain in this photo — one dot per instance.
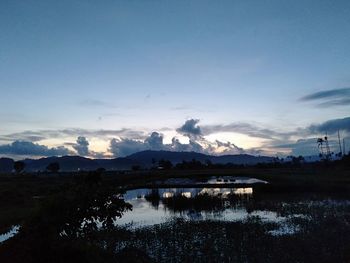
[6, 165]
[117, 163]
[147, 157]
[67, 163]
[144, 159]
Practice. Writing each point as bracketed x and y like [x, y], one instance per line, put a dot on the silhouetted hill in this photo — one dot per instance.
[67, 163]
[144, 159]
[147, 157]
[241, 159]
[6, 165]
[116, 164]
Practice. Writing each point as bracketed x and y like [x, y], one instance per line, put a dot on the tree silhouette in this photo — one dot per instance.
[53, 167]
[136, 167]
[68, 226]
[165, 164]
[19, 166]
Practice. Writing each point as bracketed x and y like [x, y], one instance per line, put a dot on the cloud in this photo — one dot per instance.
[197, 143]
[31, 136]
[95, 103]
[190, 128]
[155, 141]
[124, 141]
[337, 102]
[82, 146]
[309, 146]
[30, 148]
[229, 148]
[39, 135]
[331, 126]
[329, 98]
[301, 147]
[125, 147]
[247, 129]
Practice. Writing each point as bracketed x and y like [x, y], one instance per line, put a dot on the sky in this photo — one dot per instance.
[108, 78]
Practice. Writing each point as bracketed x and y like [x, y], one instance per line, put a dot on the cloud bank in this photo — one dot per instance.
[123, 142]
[82, 146]
[331, 126]
[330, 98]
[32, 149]
[190, 129]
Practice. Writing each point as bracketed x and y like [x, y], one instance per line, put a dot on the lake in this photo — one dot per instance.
[218, 202]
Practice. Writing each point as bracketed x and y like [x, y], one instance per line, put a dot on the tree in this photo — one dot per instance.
[71, 225]
[298, 160]
[19, 166]
[136, 167]
[209, 163]
[53, 167]
[165, 164]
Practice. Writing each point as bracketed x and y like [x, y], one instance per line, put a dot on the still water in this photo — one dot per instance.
[12, 232]
[155, 206]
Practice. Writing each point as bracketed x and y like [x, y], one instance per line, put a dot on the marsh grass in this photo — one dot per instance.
[323, 236]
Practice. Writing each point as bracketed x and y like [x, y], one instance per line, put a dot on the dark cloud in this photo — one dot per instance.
[308, 147]
[155, 141]
[82, 146]
[301, 147]
[331, 126]
[336, 102]
[229, 148]
[32, 149]
[191, 146]
[197, 143]
[327, 94]
[190, 128]
[73, 132]
[329, 98]
[124, 147]
[31, 136]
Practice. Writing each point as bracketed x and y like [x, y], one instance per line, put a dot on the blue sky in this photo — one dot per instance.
[135, 67]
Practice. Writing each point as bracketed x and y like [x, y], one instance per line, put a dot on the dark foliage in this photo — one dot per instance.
[53, 167]
[19, 166]
[165, 164]
[66, 227]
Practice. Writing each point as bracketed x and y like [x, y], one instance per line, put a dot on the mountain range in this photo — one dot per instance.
[144, 159]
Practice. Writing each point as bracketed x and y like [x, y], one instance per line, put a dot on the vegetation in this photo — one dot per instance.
[324, 238]
[53, 167]
[64, 226]
[70, 217]
[18, 166]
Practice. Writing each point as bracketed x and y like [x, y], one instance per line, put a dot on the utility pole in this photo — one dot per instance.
[341, 152]
[344, 146]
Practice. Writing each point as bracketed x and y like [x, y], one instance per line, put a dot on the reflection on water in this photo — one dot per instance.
[154, 206]
[213, 180]
[234, 180]
[13, 231]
